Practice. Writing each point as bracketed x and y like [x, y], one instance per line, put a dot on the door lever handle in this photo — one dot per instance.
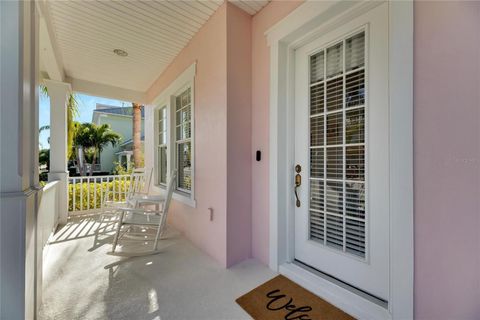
[296, 196]
[298, 183]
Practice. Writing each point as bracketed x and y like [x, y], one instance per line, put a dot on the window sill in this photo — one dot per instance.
[179, 196]
[185, 199]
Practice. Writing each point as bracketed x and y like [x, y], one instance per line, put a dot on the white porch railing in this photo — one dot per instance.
[85, 194]
[48, 211]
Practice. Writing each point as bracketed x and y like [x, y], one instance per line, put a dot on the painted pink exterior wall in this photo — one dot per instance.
[446, 140]
[262, 21]
[239, 135]
[447, 160]
[208, 49]
[222, 51]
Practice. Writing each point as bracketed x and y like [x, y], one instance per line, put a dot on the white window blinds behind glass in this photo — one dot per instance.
[162, 146]
[337, 146]
[183, 139]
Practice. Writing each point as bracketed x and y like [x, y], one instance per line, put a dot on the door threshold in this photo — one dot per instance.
[381, 302]
[355, 303]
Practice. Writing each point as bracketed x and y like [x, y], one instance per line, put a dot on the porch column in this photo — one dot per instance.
[58, 93]
[129, 156]
[18, 160]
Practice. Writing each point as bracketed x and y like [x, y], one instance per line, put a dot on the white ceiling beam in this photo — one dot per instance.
[50, 56]
[106, 91]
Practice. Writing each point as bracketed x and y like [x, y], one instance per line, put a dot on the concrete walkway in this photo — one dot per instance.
[82, 282]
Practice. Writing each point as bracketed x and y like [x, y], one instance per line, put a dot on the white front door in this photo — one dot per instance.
[342, 147]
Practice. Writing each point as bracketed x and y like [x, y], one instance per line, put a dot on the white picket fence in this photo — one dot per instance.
[85, 194]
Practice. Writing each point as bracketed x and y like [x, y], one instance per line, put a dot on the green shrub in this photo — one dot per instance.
[85, 193]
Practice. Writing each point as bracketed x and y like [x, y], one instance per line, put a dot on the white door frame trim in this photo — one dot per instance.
[302, 25]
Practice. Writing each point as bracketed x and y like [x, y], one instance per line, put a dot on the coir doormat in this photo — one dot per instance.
[282, 299]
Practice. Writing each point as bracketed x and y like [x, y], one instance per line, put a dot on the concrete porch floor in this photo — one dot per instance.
[82, 282]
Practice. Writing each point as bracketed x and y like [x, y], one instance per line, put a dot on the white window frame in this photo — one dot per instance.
[167, 99]
[157, 143]
[173, 126]
[305, 23]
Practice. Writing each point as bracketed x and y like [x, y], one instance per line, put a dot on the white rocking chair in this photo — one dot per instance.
[131, 217]
[139, 186]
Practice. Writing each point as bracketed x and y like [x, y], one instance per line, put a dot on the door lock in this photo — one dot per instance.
[298, 183]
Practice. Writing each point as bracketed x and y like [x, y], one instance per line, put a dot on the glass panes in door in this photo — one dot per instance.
[337, 146]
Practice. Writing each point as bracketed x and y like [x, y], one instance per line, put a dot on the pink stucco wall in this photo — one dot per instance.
[223, 153]
[447, 160]
[262, 21]
[208, 49]
[446, 142]
[239, 132]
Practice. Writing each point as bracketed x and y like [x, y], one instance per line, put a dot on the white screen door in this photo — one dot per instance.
[341, 144]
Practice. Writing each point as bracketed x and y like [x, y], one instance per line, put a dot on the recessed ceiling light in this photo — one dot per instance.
[120, 52]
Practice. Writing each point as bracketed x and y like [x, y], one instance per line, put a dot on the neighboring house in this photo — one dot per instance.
[120, 120]
[125, 154]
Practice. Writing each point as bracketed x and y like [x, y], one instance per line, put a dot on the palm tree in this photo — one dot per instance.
[96, 137]
[137, 130]
[44, 158]
[72, 111]
[40, 130]
[81, 142]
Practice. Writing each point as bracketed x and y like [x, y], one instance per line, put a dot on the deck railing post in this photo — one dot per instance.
[58, 93]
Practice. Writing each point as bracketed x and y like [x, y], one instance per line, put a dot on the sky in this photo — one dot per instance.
[86, 105]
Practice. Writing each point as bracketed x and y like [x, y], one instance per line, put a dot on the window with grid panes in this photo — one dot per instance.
[162, 146]
[183, 140]
[337, 146]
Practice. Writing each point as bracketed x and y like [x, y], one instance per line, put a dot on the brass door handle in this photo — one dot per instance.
[298, 183]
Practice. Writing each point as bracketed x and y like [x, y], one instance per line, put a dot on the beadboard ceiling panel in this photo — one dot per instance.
[250, 6]
[151, 32]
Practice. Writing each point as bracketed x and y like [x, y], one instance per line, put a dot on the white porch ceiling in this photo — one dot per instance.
[250, 6]
[152, 32]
